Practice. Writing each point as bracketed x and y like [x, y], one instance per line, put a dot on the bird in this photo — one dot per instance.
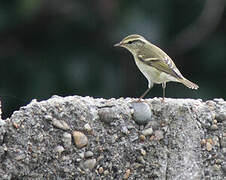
[154, 63]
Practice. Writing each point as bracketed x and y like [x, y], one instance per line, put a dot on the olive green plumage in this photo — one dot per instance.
[154, 63]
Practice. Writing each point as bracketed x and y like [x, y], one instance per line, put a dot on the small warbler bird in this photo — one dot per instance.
[154, 63]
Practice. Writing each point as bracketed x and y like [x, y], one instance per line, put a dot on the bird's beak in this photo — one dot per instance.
[118, 44]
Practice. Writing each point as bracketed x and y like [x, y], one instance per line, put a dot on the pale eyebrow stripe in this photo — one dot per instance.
[134, 40]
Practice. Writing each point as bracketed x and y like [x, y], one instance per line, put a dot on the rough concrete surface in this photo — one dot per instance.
[85, 138]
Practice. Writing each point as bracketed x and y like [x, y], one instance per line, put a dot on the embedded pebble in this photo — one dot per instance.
[66, 138]
[80, 139]
[88, 154]
[125, 130]
[20, 157]
[152, 138]
[2, 122]
[15, 125]
[216, 141]
[142, 112]
[142, 137]
[59, 149]
[127, 174]
[221, 116]
[100, 158]
[224, 151]
[108, 115]
[208, 146]
[203, 142]
[66, 158]
[143, 152]
[214, 127]
[218, 161]
[159, 135]
[82, 154]
[141, 159]
[223, 142]
[137, 165]
[216, 167]
[106, 172]
[48, 117]
[60, 124]
[223, 167]
[39, 137]
[147, 132]
[90, 163]
[2, 151]
[101, 170]
[87, 127]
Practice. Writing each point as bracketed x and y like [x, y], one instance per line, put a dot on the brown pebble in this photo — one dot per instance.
[101, 149]
[101, 170]
[127, 174]
[80, 139]
[152, 138]
[15, 125]
[142, 137]
[210, 141]
[209, 147]
[203, 142]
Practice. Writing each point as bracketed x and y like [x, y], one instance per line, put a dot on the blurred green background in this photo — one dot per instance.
[57, 47]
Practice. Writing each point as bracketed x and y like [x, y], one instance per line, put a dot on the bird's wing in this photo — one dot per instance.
[162, 64]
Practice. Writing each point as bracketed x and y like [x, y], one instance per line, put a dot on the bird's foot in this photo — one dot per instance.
[140, 100]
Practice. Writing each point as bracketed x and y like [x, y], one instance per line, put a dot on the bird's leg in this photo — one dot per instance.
[144, 94]
[163, 90]
[150, 85]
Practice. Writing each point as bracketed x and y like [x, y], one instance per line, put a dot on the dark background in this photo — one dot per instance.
[55, 47]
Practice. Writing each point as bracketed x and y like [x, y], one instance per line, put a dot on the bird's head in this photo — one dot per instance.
[133, 43]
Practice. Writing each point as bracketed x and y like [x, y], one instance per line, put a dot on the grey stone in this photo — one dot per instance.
[214, 127]
[67, 139]
[108, 115]
[223, 142]
[159, 135]
[224, 167]
[59, 149]
[147, 132]
[90, 163]
[2, 122]
[60, 124]
[221, 116]
[87, 127]
[88, 154]
[142, 112]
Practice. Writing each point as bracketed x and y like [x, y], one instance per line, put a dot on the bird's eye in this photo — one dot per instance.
[130, 42]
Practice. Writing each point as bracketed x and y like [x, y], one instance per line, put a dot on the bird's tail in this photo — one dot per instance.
[189, 84]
